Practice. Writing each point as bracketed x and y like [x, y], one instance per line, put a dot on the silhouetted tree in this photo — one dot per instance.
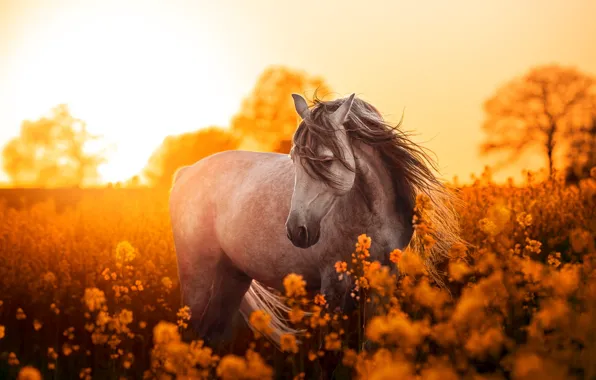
[185, 149]
[541, 109]
[268, 116]
[50, 152]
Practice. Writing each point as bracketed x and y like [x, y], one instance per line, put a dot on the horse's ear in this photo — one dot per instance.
[301, 106]
[341, 114]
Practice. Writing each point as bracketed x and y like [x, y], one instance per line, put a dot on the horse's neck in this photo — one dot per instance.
[371, 205]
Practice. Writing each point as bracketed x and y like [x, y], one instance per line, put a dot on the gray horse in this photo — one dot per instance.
[244, 220]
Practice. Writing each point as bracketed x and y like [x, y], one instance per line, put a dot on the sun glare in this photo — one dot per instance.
[134, 77]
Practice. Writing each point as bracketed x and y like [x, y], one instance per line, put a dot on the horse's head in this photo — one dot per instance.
[324, 170]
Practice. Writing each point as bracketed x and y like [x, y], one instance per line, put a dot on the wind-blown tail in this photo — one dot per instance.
[260, 297]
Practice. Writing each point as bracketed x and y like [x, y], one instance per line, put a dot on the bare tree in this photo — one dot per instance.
[541, 109]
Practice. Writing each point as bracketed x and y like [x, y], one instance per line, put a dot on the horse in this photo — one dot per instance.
[242, 220]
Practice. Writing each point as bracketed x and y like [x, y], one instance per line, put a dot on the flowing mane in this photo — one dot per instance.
[411, 169]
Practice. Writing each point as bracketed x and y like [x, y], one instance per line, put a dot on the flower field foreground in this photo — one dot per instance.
[88, 289]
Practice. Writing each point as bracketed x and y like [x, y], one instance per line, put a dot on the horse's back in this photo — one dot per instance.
[219, 165]
[223, 174]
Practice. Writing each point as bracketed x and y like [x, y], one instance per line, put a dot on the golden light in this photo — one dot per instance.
[135, 76]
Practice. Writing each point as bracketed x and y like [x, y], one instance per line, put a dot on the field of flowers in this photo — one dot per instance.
[88, 289]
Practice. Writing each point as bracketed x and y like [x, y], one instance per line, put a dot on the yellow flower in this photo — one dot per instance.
[485, 343]
[294, 285]
[423, 202]
[85, 374]
[94, 298]
[533, 246]
[428, 241]
[389, 370]
[350, 357]
[49, 277]
[288, 343]
[37, 325]
[411, 264]
[125, 251]
[488, 227]
[332, 342]
[379, 279]
[395, 255]
[458, 270]
[581, 240]
[231, 367]
[396, 329]
[52, 354]
[66, 349]
[320, 300]
[183, 315]
[12, 359]
[554, 259]
[457, 251]
[21, 314]
[296, 314]
[103, 318]
[257, 368]
[166, 282]
[529, 365]
[364, 243]
[201, 355]
[54, 309]
[341, 266]
[524, 220]
[165, 332]
[260, 320]
[29, 373]
[125, 317]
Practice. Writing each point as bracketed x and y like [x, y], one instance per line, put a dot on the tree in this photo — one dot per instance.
[582, 152]
[50, 152]
[267, 116]
[284, 146]
[541, 109]
[185, 149]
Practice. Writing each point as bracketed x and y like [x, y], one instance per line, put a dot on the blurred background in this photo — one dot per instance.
[121, 93]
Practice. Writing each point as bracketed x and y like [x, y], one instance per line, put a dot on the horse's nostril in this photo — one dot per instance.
[302, 234]
[288, 234]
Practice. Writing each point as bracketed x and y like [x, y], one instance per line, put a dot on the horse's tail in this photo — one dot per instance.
[260, 297]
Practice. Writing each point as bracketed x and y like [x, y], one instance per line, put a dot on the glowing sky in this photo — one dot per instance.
[137, 71]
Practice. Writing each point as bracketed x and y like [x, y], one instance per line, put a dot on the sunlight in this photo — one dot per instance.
[135, 80]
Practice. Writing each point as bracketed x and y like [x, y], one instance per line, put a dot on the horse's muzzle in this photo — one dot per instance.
[301, 236]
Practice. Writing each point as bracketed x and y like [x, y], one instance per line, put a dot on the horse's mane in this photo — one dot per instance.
[411, 168]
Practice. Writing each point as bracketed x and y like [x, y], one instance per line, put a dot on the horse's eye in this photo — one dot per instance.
[328, 162]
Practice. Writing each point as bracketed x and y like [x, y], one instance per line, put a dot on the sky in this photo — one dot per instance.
[137, 71]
